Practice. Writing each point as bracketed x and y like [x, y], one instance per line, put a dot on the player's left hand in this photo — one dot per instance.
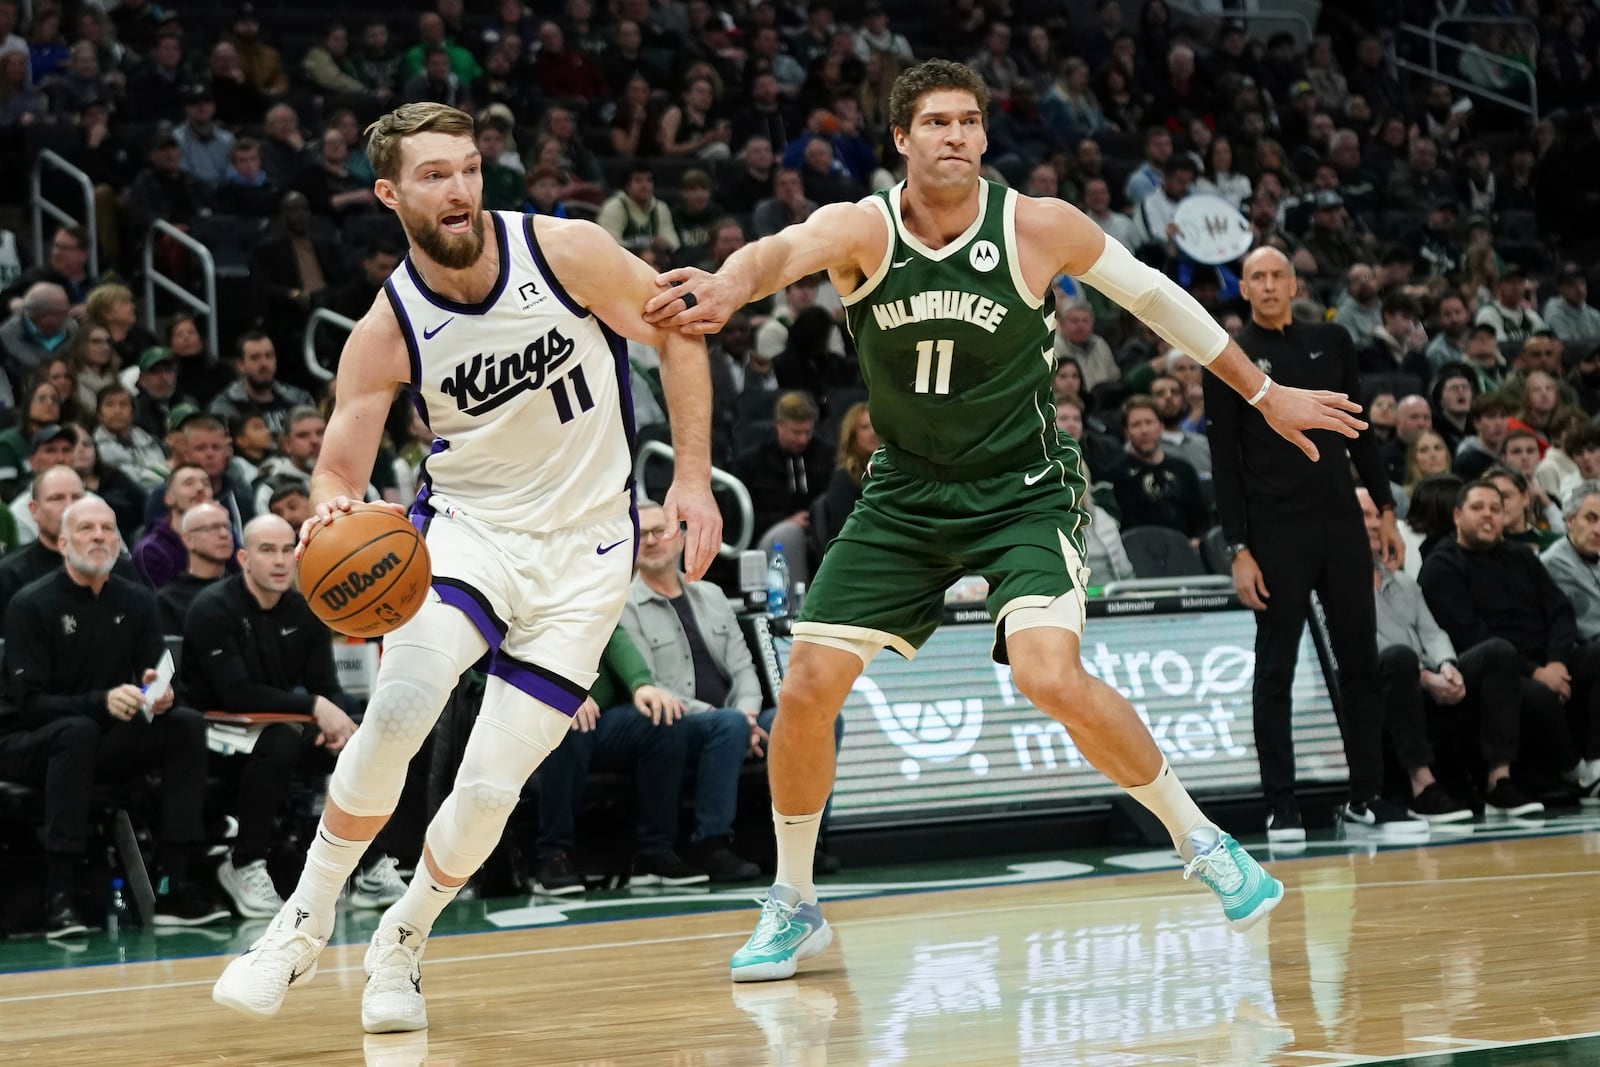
[697, 509]
[715, 299]
[1291, 411]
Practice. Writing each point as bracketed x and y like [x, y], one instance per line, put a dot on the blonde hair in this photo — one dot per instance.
[1414, 476]
[850, 458]
[795, 406]
[385, 137]
[100, 300]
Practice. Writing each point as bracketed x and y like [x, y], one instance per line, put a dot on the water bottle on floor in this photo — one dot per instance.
[777, 584]
[119, 916]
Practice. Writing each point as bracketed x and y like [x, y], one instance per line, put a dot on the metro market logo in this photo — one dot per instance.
[947, 731]
[937, 732]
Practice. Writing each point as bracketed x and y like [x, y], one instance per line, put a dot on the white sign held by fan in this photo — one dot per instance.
[1211, 230]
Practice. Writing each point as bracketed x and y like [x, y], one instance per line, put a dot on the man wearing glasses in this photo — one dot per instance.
[68, 267]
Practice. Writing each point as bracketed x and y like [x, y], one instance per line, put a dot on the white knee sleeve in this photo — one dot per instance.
[513, 735]
[414, 681]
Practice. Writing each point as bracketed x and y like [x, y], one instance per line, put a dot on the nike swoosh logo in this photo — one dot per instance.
[601, 550]
[902, 263]
[1030, 479]
[428, 335]
[1316, 355]
[286, 631]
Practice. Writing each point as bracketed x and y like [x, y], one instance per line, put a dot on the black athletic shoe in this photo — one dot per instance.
[1438, 806]
[1284, 826]
[1383, 815]
[825, 862]
[188, 904]
[557, 877]
[1506, 799]
[665, 868]
[717, 858]
[61, 918]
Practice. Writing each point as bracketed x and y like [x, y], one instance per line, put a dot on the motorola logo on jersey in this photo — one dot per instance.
[483, 383]
[985, 256]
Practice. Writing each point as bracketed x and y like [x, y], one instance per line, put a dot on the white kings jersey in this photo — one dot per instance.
[526, 392]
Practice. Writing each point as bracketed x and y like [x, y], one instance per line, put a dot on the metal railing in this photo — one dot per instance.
[153, 278]
[320, 317]
[1292, 18]
[1433, 37]
[720, 479]
[43, 207]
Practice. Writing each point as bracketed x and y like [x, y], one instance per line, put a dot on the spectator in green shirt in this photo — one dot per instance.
[431, 34]
[502, 183]
[621, 725]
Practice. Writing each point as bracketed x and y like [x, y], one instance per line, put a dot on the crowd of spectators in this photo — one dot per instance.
[1453, 235]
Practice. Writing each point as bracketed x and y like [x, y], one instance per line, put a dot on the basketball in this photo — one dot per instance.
[367, 573]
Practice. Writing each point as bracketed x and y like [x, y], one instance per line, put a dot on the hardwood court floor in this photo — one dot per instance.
[1420, 955]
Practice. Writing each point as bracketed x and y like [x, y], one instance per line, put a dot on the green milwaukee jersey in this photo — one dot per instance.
[956, 353]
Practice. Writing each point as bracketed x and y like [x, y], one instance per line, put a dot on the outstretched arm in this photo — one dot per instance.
[614, 284]
[1073, 244]
[847, 239]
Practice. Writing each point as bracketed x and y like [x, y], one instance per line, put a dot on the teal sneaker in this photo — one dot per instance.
[790, 930]
[1247, 892]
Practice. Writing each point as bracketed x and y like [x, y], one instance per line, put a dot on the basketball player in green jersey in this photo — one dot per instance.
[942, 279]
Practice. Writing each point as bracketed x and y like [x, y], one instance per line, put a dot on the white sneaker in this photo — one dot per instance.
[250, 888]
[378, 886]
[392, 1002]
[257, 981]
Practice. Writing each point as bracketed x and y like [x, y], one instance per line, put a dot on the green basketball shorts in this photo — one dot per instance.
[883, 579]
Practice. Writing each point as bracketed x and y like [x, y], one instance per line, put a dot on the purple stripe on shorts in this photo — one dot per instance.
[540, 688]
[466, 599]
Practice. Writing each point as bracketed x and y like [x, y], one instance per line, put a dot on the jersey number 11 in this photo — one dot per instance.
[580, 390]
[925, 367]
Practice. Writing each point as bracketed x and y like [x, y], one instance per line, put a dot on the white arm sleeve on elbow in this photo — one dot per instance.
[1173, 314]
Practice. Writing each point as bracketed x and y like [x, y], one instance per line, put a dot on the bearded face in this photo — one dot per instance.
[454, 242]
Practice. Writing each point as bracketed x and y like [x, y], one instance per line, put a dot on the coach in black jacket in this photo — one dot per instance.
[251, 644]
[1293, 527]
[80, 642]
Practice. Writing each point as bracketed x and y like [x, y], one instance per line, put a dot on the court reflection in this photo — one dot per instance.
[1097, 983]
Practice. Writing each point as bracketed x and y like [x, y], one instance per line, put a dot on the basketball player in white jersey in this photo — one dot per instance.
[506, 327]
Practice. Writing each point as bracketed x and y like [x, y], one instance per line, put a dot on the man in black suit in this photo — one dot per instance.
[1293, 528]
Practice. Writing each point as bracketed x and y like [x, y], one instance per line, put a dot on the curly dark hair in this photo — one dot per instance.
[930, 77]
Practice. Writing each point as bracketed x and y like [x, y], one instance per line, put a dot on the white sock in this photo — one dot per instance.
[424, 899]
[1169, 801]
[797, 850]
[329, 862]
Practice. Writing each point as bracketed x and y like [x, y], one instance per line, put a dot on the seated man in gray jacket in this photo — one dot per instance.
[1421, 672]
[689, 636]
[1574, 561]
